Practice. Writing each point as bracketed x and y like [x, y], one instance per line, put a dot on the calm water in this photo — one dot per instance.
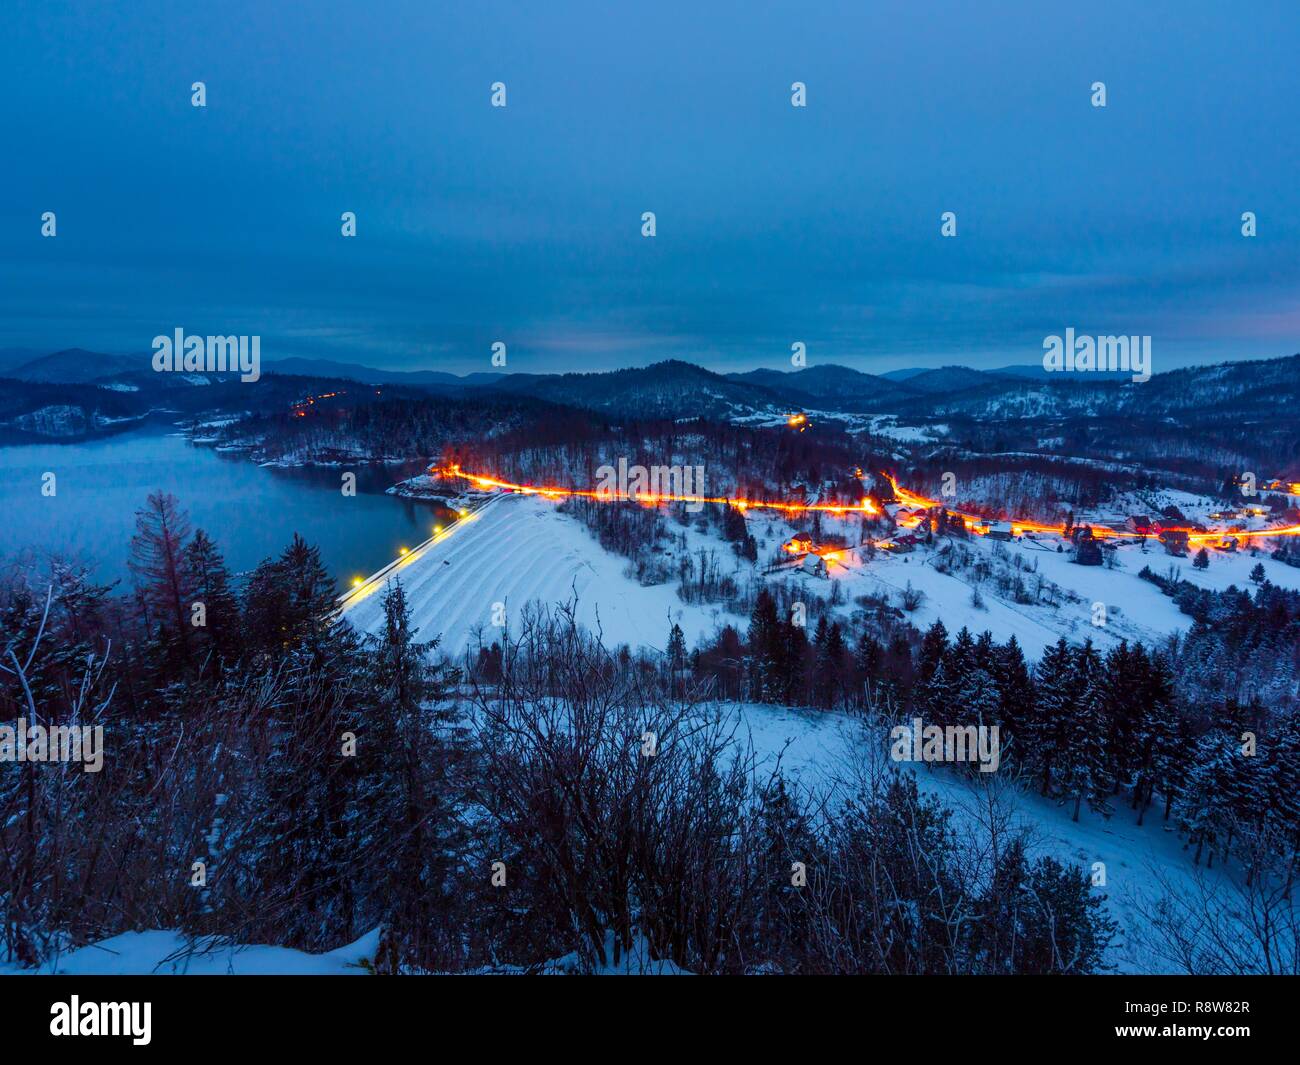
[250, 511]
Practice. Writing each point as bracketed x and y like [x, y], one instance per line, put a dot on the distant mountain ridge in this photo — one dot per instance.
[76, 366]
[680, 389]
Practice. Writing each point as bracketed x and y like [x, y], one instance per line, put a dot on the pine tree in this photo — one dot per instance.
[208, 582]
[405, 815]
[157, 563]
[870, 658]
[1203, 805]
[766, 656]
[1283, 799]
[675, 658]
[934, 645]
[1041, 918]
[1047, 732]
[835, 649]
[829, 665]
[819, 636]
[929, 692]
[1016, 692]
[951, 704]
[676, 654]
[1123, 682]
[304, 847]
[782, 923]
[978, 699]
[1081, 766]
[1065, 929]
[1161, 737]
[291, 607]
[793, 659]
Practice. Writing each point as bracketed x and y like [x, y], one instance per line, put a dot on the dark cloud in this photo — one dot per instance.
[775, 224]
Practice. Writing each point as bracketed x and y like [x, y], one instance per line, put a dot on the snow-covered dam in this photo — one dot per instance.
[517, 549]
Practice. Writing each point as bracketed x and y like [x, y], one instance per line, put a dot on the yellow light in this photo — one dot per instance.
[357, 582]
[403, 550]
[462, 513]
[437, 530]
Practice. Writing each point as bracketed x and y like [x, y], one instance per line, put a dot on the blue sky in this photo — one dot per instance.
[775, 224]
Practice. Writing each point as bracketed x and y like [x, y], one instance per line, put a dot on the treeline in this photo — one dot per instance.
[1243, 645]
[1006, 479]
[738, 461]
[1083, 726]
[380, 422]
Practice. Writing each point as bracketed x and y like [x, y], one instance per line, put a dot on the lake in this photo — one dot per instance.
[251, 512]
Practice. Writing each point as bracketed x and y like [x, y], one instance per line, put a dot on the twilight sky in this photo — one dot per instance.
[775, 224]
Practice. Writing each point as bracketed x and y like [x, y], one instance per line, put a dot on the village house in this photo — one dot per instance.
[999, 530]
[814, 565]
[800, 543]
[900, 544]
[1140, 524]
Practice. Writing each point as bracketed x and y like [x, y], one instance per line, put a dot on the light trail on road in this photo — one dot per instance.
[1100, 532]
[867, 506]
[364, 587]
[482, 481]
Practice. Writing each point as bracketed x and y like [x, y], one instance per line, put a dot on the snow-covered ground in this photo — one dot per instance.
[813, 746]
[518, 549]
[167, 954]
[887, 425]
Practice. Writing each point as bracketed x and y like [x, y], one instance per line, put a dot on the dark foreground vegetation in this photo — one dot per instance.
[270, 777]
